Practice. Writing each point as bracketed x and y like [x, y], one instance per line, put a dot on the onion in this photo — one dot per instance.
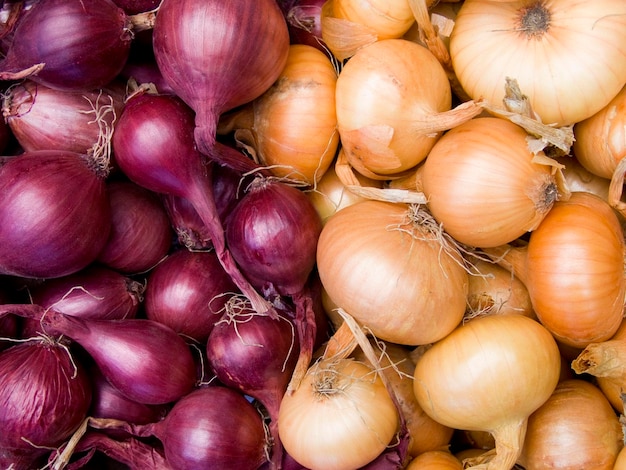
[141, 233]
[145, 360]
[540, 44]
[132, 7]
[483, 184]
[304, 21]
[154, 146]
[95, 292]
[575, 428]
[187, 292]
[54, 213]
[376, 260]
[490, 374]
[44, 118]
[341, 417]
[292, 127]
[393, 103]
[211, 427]
[578, 178]
[44, 397]
[69, 44]
[257, 355]
[435, 460]
[202, 47]
[573, 268]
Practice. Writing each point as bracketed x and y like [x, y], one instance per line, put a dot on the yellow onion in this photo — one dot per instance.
[292, 127]
[435, 460]
[393, 103]
[392, 272]
[341, 417]
[579, 178]
[620, 462]
[490, 374]
[568, 56]
[575, 428]
[484, 185]
[573, 268]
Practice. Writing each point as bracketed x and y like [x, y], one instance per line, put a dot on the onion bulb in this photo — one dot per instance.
[568, 56]
[573, 268]
[435, 460]
[575, 428]
[340, 418]
[292, 127]
[483, 184]
[385, 265]
[393, 103]
[490, 374]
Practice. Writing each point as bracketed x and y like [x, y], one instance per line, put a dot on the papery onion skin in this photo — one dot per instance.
[141, 233]
[575, 428]
[54, 216]
[489, 43]
[391, 275]
[482, 184]
[340, 418]
[490, 374]
[203, 60]
[83, 44]
[44, 397]
[187, 292]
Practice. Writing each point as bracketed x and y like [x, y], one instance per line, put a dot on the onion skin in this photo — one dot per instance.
[575, 428]
[573, 268]
[141, 233]
[435, 460]
[82, 44]
[490, 374]
[44, 397]
[489, 43]
[63, 213]
[201, 47]
[186, 292]
[401, 284]
[482, 184]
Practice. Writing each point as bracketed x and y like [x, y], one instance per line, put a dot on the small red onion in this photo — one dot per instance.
[141, 233]
[95, 292]
[187, 292]
[218, 55]
[69, 44]
[43, 118]
[44, 397]
[304, 22]
[145, 360]
[255, 354]
[54, 213]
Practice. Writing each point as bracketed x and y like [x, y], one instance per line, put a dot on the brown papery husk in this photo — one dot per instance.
[575, 428]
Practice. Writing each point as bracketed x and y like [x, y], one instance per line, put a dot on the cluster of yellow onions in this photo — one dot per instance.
[476, 236]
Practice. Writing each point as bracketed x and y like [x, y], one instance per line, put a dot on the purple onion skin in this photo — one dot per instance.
[202, 47]
[145, 360]
[96, 292]
[304, 22]
[141, 234]
[227, 431]
[54, 214]
[84, 44]
[44, 397]
[272, 234]
[132, 7]
[186, 292]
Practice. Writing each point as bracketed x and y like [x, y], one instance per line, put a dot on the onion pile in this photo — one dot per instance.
[312, 235]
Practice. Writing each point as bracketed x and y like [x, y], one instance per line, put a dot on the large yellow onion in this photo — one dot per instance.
[392, 273]
[568, 56]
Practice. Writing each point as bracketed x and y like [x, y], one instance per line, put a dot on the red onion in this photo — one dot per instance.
[218, 55]
[187, 292]
[69, 44]
[95, 292]
[132, 7]
[145, 360]
[141, 233]
[257, 355]
[154, 147]
[54, 213]
[211, 427]
[304, 22]
[43, 118]
[44, 397]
